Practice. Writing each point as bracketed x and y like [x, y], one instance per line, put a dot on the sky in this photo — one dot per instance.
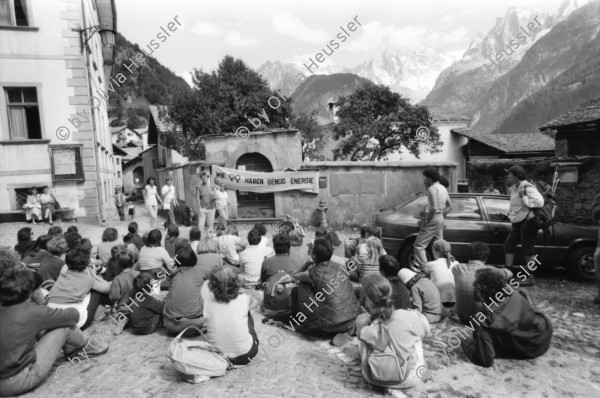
[294, 31]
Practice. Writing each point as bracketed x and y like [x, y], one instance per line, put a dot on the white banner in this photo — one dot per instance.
[254, 181]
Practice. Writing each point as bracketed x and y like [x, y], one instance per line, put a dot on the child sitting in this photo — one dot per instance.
[147, 316]
[122, 287]
[173, 241]
[28, 354]
[440, 271]
[112, 267]
[425, 296]
[368, 259]
[73, 288]
[133, 235]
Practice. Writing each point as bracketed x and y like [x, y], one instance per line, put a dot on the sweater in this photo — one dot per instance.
[18, 332]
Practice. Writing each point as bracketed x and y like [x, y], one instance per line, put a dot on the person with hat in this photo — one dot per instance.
[425, 296]
[523, 197]
[120, 203]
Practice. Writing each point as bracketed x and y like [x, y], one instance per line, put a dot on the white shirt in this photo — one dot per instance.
[442, 278]
[151, 192]
[227, 246]
[168, 193]
[251, 260]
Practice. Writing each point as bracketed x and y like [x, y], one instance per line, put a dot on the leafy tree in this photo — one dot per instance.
[375, 122]
[310, 133]
[221, 102]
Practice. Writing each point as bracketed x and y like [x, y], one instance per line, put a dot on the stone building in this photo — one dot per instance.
[54, 56]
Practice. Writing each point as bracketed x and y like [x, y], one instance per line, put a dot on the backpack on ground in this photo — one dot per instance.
[280, 295]
[544, 215]
[197, 360]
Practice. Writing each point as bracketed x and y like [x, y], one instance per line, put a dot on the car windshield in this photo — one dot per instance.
[415, 207]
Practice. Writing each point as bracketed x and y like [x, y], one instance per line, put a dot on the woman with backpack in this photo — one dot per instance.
[524, 197]
[398, 333]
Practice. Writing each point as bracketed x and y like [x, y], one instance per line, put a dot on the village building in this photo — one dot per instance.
[53, 56]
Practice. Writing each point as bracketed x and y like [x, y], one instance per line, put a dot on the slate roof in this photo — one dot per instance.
[512, 143]
[161, 125]
[589, 111]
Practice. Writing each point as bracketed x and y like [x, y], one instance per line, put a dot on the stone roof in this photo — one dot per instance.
[512, 143]
[161, 125]
[589, 111]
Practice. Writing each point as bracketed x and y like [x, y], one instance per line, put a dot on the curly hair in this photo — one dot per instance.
[24, 234]
[281, 243]
[377, 297]
[58, 245]
[489, 282]
[77, 260]
[55, 230]
[16, 285]
[478, 251]
[432, 174]
[223, 283]
[110, 235]
[8, 259]
[73, 239]
[254, 237]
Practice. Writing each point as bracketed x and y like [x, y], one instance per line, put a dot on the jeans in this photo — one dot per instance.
[434, 229]
[176, 326]
[523, 232]
[69, 339]
[206, 216]
[246, 358]
[597, 263]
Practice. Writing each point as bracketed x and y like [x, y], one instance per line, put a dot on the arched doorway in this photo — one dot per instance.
[253, 204]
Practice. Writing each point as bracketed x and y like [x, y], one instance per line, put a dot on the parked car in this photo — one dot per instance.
[484, 217]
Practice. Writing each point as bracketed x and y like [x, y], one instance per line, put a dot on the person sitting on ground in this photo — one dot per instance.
[351, 245]
[389, 268]
[55, 230]
[134, 237]
[113, 269]
[86, 246]
[26, 244]
[424, 294]
[332, 238]
[10, 259]
[73, 239]
[208, 255]
[154, 257]
[260, 227]
[109, 239]
[464, 276]
[368, 259]
[28, 354]
[511, 328]
[39, 253]
[127, 240]
[121, 289]
[385, 328]
[184, 305]
[51, 266]
[334, 314]
[75, 288]
[440, 271]
[229, 324]
[72, 230]
[286, 227]
[146, 316]
[173, 241]
[195, 236]
[374, 232]
[297, 247]
[281, 261]
[230, 244]
[251, 260]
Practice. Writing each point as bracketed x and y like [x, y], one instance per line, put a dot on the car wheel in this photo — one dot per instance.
[581, 263]
[407, 256]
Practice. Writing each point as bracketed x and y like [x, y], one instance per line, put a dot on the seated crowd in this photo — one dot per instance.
[54, 287]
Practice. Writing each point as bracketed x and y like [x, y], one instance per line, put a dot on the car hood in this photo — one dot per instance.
[395, 217]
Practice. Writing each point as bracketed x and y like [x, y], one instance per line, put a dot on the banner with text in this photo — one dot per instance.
[255, 181]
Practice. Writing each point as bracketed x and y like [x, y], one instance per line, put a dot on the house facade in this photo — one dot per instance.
[54, 55]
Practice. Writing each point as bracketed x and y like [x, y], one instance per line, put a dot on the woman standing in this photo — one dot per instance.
[33, 207]
[48, 202]
[221, 201]
[151, 200]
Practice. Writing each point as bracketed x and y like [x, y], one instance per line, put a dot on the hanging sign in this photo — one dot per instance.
[255, 181]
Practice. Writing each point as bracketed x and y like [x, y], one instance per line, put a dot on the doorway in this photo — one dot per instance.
[254, 204]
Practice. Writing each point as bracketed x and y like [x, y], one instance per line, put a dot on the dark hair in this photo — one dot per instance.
[378, 291]
[132, 227]
[478, 251]
[363, 231]
[295, 238]
[260, 227]
[489, 281]
[73, 239]
[172, 231]
[8, 259]
[55, 230]
[281, 243]
[86, 246]
[110, 235]
[231, 230]
[254, 237]
[220, 229]
[16, 286]
[144, 279]
[195, 233]
[373, 231]
[223, 283]
[73, 229]
[154, 238]
[168, 179]
[44, 187]
[285, 227]
[42, 242]
[432, 174]
[115, 250]
[389, 266]
[30, 192]
[24, 234]
[125, 259]
[322, 250]
[150, 178]
[185, 256]
[57, 245]
[77, 260]
[145, 239]
[127, 238]
[518, 171]
[444, 181]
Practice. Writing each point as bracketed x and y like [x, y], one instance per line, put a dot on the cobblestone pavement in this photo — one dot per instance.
[292, 365]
